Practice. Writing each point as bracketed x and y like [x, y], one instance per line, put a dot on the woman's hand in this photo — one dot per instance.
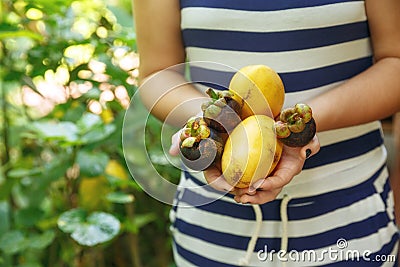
[174, 149]
[264, 190]
[290, 164]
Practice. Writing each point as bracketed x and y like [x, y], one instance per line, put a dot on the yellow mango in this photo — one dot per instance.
[251, 151]
[259, 89]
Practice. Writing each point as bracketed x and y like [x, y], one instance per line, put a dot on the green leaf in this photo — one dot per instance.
[28, 217]
[98, 134]
[103, 227]
[72, 113]
[52, 130]
[70, 220]
[21, 33]
[6, 188]
[98, 228]
[21, 172]
[41, 241]
[120, 197]
[92, 163]
[12, 242]
[143, 219]
[88, 121]
[34, 190]
[4, 217]
[139, 221]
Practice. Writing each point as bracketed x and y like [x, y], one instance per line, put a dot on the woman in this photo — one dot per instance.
[342, 58]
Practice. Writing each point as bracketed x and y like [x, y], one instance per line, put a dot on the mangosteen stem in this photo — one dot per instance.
[293, 118]
[211, 93]
[193, 129]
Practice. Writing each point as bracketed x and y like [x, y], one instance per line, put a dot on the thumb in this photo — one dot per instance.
[174, 149]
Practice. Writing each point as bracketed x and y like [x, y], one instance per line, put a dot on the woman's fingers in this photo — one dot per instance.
[311, 148]
[216, 180]
[260, 198]
[174, 149]
[290, 165]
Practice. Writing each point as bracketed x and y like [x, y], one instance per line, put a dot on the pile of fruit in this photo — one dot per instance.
[237, 131]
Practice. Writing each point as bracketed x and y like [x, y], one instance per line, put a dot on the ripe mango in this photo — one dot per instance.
[259, 89]
[251, 151]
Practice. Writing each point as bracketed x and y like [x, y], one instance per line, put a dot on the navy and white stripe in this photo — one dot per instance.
[343, 191]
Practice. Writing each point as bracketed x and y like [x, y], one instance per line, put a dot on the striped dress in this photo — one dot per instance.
[341, 201]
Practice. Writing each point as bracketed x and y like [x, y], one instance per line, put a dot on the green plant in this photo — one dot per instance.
[67, 72]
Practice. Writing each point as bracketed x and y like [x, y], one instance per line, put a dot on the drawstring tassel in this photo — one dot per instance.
[259, 219]
[284, 219]
[253, 240]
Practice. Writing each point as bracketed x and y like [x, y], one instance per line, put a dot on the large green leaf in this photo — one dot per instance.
[92, 163]
[70, 220]
[35, 189]
[41, 241]
[13, 242]
[98, 227]
[101, 227]
[98, 134]
[88, 121]
[52, 130]
[28, 217]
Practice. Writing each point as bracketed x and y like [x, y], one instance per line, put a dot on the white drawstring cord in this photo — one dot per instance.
[253, 240]
[284, 219]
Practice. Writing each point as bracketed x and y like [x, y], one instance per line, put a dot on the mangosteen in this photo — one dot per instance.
[296, 126]
[222, 112]
[200, 145]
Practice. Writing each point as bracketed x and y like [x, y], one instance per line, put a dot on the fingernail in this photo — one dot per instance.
[252, 191]
[257, 184]
[308, 153]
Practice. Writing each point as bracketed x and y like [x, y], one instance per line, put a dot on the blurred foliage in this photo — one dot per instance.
[67, 72]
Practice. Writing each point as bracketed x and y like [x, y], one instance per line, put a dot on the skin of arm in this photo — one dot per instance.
[375, 93]
[164, 90]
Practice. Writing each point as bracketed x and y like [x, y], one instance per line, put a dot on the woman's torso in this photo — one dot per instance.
[315, 46]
